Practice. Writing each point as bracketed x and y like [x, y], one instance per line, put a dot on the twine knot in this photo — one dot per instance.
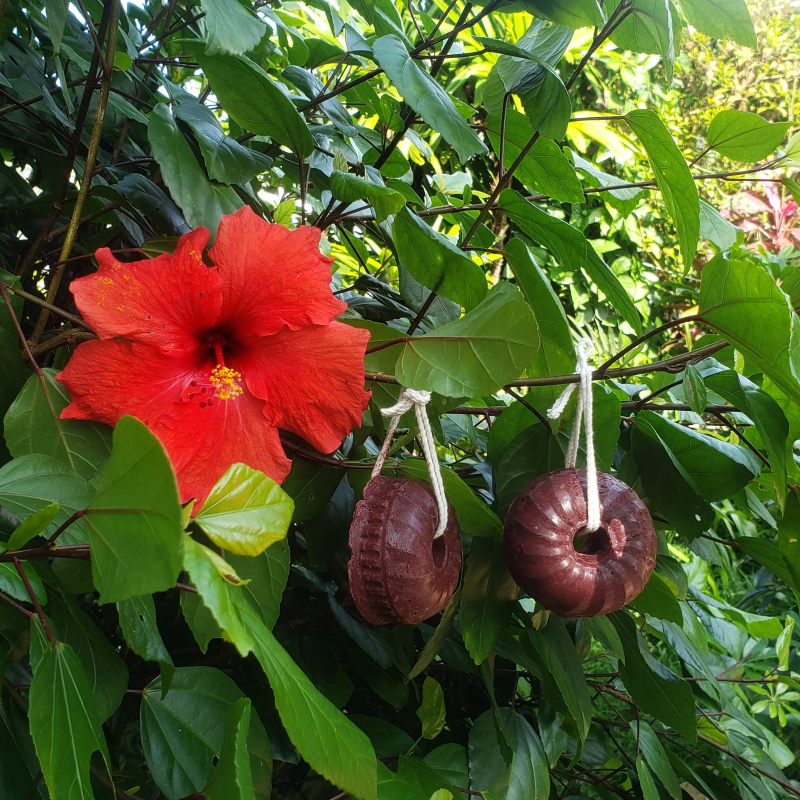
[417, 399]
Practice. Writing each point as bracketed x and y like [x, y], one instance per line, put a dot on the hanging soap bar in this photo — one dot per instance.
[398, 571]
[569, 573]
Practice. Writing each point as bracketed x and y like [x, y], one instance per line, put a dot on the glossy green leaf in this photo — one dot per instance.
[253, 99]
[137, 619]
[571, 249]
[226, 160]
[713, 468]
[64, 723]
[789, 536]
[184, 730]
[651, 687]
[313, 87]
[33, 425]
[135, 521]
[267, 574]
[545, 168]
[231, 27]
[563, 681]
[694, 389]
[246, 512]
[426, 96]
[30, 483]
[648, 28]
[487, 599]
[349, 188]
[658, 600]
[232, 778]
[12, 585]
[203, 202]
[656, 758]
[741, 301]
[715, 228]
[572, 13]
[33, 526]
[57, 11]
[769, 555]
[436, 262]
[673, 176]
[648, 785]
[744, 136]
[431, 712]
[477, 354]
[721, 19]
[769, 419]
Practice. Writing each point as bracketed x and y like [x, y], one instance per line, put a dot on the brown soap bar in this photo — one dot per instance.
[612, 565]
[398, 571]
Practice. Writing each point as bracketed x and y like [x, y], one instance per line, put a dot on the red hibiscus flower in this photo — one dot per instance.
[215, 359]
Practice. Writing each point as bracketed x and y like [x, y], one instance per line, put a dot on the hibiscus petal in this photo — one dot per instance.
[312, 380]
[108, 379]
[272, 276]
[165, 301]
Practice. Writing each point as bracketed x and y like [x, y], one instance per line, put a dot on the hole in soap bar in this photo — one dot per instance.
[591, 544]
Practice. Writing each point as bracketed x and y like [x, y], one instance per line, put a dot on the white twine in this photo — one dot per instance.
[582, 412]
[411, 398]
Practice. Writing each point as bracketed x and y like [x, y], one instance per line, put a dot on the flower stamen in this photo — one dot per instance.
[227, 381]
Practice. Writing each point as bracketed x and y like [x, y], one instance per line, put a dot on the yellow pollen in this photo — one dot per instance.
[227, 381]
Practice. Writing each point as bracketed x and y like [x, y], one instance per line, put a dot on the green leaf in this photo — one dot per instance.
[526, 777]
[432, 713]
[673, 176]
[769, 419]
[474, 517]
[267, 574]
[231, 27]
[656, 758]
[783, 646]
[769, 555]
[226, 160]
[477, 354]
[487, 598]
[506, 428]
[667, 489]
[545, 168]
[327, 740]
[64, 723]
[311, 486]
[715, 228]
[20, 765]
[349, 188]
[789, 536]
[653, 688]
[426, 97]
[434, 261]
[434, 644]
[572, 13]
[30, 483]
[246, 512]
[106, 671]
[572, 251]
[366, 638]
[13, 372]
[721, 19]
[313, 87]
[741, 301]
[200, 620]
[253, 100]
[658, 600]
[232, 778]
[33, 526]
[33, 425]
[11, 582]
[137, 619]
[648, 28]
[203, 202]
[183, 731]
[221, 592]
[646, 782]
[713, 468]
[694, 389]
[744, 136]
[135, 521]
[57, 11]
[563, 680]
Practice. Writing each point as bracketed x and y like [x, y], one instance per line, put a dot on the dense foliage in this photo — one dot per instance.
[494, 180]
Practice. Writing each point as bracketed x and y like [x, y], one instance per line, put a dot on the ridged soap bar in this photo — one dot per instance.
[607, 572]
[398, 571]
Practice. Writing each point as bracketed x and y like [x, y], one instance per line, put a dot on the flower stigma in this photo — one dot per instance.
[227, 381]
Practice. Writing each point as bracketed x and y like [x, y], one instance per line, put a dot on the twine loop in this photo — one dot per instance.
[583, 413]
[416, 399]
